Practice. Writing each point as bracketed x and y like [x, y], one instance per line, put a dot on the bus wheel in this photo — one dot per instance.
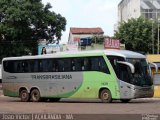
[54, 99]
[125, 100]
[105, 96]
[24, 95]
[35, 95]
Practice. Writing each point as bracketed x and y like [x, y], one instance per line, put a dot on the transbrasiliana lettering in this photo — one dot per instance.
[51, 76]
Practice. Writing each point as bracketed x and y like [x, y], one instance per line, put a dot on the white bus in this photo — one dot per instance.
[107, 75]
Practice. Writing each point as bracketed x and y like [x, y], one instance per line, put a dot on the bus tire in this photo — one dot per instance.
[35, 95]
[105, 96]
[24, 95]
[54, 99]
[125, 100]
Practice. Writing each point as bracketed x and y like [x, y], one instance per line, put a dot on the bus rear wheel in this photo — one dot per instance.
[105, 96]
[35, 95]
[24, 95]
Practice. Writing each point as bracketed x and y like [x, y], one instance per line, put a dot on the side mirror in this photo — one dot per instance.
[155, 65]
[131, 66]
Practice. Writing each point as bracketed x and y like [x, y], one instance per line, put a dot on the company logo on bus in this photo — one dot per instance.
[51, 77]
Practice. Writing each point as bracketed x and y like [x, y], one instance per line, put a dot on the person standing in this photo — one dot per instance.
[43, 51]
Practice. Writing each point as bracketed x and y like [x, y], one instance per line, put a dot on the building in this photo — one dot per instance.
[128, 9]
[76, 34]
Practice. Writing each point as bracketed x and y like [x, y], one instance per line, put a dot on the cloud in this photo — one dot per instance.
[87, 13]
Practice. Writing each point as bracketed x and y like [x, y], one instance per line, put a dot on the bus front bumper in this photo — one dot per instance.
[145, 92]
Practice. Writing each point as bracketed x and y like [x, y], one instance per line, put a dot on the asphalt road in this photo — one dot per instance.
[76, 109]
[83, 106]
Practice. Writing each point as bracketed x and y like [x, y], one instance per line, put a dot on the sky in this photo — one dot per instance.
[87, 13]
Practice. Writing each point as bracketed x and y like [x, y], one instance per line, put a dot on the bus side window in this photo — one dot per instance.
[82, 64]
[60, 65]
[78, 64]
[18, 66]
[43, 65]
[10, 66]
[36, 66]
[32, 64]
[87, 64]
[99, 64]
[73, 65]
[67, 65]
[94, 64]
[103, 66]
[49, 65]
[6, 66]
[54, 65]
[25, 66]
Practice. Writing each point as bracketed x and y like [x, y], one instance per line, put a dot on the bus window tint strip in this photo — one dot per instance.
[57, 65]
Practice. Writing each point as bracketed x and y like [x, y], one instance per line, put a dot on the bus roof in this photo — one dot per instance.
[121, 53]
[59, 54]
[124, 53]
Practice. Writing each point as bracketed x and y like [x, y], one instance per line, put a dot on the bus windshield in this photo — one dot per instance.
[142, 75]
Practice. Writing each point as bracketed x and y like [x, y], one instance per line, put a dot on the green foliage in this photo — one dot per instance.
[23, 22]
[98, 39]
[136, 34]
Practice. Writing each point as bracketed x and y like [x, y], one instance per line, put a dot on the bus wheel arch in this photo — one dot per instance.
[24, 94]
[35, 94]
[105, 95]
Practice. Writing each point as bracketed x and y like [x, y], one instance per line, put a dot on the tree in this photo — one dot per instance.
[98, 39]
[24, 22]
[136, 34]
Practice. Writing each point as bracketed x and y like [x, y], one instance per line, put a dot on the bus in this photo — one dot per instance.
[103, 74]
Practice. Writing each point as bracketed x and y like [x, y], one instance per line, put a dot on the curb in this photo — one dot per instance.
[148, 99]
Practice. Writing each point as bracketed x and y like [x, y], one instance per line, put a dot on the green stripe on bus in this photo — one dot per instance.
[92, 83]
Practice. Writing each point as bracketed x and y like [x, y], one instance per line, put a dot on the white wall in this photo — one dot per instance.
[128, 9]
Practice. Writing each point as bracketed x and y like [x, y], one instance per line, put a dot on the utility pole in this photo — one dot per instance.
[158, 39]
[152, 37]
